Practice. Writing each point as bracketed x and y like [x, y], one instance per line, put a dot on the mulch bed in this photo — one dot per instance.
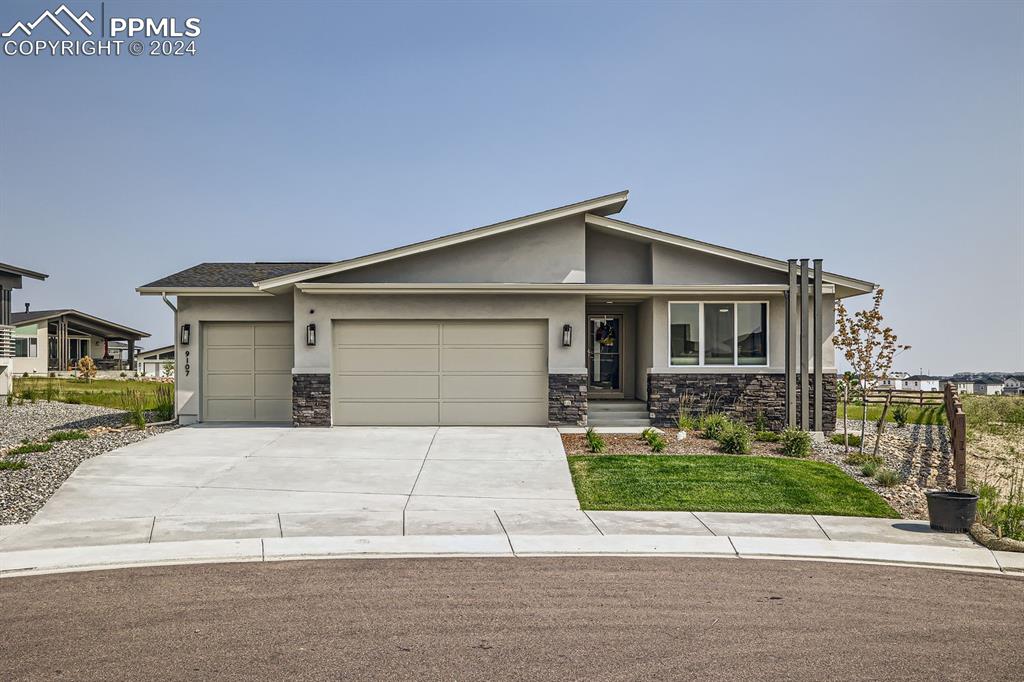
[633, 444]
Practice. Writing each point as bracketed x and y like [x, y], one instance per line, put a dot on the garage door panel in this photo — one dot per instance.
[228, 335]
[493, 360]
[387, 333]
[494, 413]
[229, 359]
[388, 387]
[389, 360]
[229, 385]
[274, 334]
[274, 359]
[228, 409]
[484, 387]
[272, 410]
[472, 333]
[273, 385]
[386, 413]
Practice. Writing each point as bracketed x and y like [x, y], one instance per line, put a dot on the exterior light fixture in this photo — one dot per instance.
[567, 335]
[311, 334]
[186, 334]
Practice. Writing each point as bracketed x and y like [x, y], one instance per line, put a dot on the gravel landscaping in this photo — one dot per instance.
[24, 491]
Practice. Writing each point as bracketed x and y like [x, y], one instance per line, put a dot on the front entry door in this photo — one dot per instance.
[604, 356]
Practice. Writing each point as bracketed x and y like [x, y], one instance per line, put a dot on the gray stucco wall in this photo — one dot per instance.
[616, 260]
[675, 265]
[195, 310]
[546, 253]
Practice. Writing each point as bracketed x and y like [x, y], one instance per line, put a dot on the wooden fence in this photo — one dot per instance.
[957, 421]
[879, 396]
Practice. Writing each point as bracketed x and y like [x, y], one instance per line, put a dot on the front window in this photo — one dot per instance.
[718, 334]
[26, 348]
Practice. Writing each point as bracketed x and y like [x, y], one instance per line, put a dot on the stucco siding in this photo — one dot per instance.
[616, 260]
[676, 265]
[36, 365]
[551, 252]
[196, 310]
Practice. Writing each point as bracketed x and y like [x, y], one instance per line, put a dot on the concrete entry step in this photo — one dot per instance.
[594, 421]
[617, 413]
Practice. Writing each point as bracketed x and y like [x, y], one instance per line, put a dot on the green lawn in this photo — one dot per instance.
[103, 392]
[720, 483]
[935, 414]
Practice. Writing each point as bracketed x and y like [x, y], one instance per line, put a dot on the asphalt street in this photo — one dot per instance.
[539, 619]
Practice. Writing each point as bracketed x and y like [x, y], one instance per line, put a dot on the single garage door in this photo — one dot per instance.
[450, 372]
[247, 372]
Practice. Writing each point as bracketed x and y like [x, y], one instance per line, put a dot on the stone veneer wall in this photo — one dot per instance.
[567, 399]
[311, 399]
[741, 396]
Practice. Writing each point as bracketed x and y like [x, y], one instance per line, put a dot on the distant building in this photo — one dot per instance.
[1014, 384]
[922, 382]
[989, 387]
[961, 385]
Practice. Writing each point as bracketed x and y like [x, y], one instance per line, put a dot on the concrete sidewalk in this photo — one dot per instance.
[169, 540]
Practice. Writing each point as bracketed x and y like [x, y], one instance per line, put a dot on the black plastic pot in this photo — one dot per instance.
[951, 512]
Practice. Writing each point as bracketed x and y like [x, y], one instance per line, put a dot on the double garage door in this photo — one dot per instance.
[446, 372]
[247, 371]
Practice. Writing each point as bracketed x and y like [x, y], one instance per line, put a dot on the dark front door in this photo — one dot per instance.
[604, 355]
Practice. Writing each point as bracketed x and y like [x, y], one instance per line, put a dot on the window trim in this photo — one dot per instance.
[735, 335]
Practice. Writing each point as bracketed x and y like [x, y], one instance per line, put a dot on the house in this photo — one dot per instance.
[158, 362]
[11, 277]
[961, 385]
[922, 382]
[893, 382]
[55, 340]
[988, 386]
[1013, 384]
[529, 321]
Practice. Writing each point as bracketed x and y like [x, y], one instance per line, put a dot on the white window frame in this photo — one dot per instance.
[31, 343]
[735, 334]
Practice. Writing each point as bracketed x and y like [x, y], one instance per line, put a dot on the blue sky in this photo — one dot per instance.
[887, 139]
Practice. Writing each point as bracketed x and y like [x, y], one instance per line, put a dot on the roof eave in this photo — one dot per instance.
[23, 271]
[201, 291]
[604, 205]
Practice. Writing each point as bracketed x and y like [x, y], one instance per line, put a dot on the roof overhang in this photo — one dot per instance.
[598, 206]
[21, 272]
[845, 286]
[529, 288]
[201, 291]
[89, 324]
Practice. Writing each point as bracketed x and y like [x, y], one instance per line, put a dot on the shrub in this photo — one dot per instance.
[887, 477]
[87, 368]
[857, 459]
[735, 440]
[28, 393]
[712, 425]
[869, 468]
[12, 464]
[10, 399]
[796, 443]
[134, 403]
[165, 402]
[59, 436]
[654, 439]
[27, 448]
[595, 441]
[760, 421]
[854, 439]
[767, 437]
[900, 414]
[124, 375]
[685, 422]
[51, 392]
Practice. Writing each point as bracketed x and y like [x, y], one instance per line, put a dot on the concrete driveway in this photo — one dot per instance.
[252, 476]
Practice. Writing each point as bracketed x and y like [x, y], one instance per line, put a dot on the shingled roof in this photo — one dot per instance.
[228, 274]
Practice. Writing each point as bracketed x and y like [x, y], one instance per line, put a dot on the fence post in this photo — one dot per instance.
[960, 450]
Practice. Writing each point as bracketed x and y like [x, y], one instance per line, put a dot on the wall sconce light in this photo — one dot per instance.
[311, 334]
[567, 335]
[186, 334]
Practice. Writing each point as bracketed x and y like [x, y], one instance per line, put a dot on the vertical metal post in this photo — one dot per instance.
[805, 306]
[791, 346]
[819, 339]
[131, 355]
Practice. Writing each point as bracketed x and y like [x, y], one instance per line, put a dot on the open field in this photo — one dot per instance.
[101, 392]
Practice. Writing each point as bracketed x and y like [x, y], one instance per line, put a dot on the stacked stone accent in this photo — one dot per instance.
[311, 399]
[741, 396]
[567, 399]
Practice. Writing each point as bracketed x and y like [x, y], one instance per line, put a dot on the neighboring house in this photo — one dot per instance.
[158, 362]
[1014, 384]
[922, 382]
[893, 382]
[55, 340]
[10, 278]
[962, 386]
[524, 322]
[988, 386]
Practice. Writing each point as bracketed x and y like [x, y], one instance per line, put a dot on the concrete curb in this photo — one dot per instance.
[41, 561]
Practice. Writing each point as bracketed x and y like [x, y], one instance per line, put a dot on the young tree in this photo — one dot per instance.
[867, 346]
[86, 368]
